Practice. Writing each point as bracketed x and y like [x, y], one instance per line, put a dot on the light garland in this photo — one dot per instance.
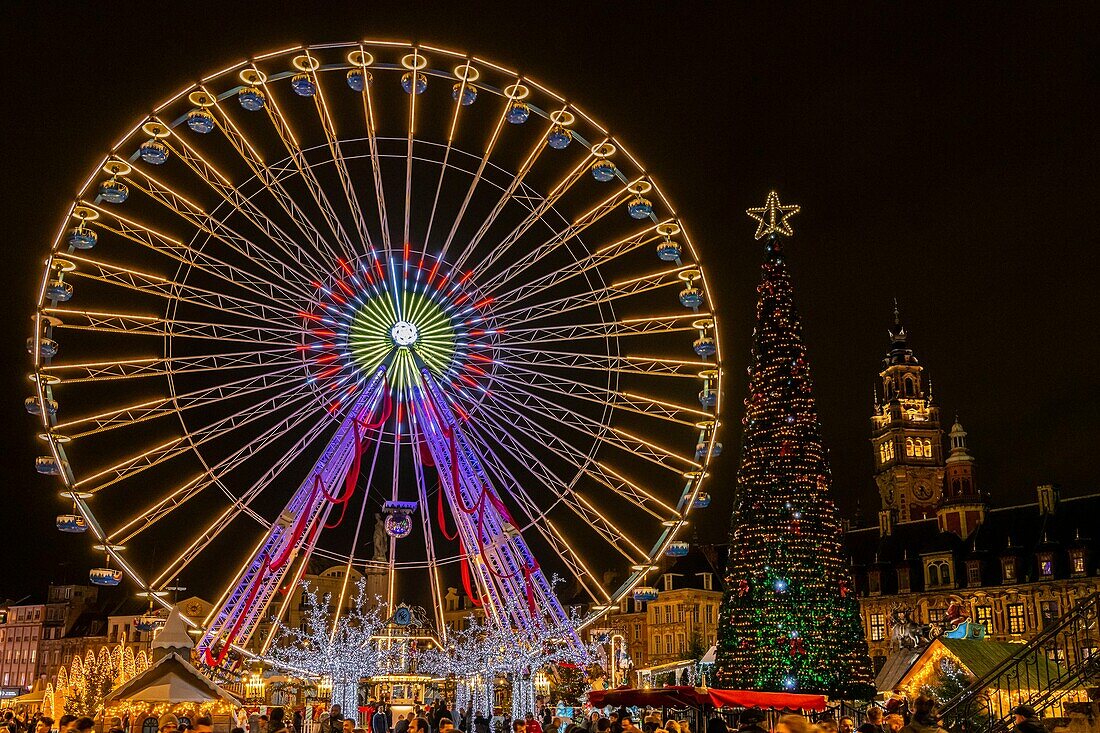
[338, 656]
[137, 708]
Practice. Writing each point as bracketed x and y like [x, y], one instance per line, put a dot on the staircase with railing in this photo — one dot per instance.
[1052, 669]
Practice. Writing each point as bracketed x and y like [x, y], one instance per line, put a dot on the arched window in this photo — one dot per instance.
[927, 448]
[933, 575]
[909, 447]
[955, 487]
[909, 387]
[149, 725]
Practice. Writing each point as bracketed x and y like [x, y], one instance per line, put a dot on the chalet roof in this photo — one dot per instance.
[171, 679]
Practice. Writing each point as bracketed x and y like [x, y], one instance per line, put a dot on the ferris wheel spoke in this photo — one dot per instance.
[284, 274]
[426, 527]
[529, 401]
[536, 213]
[482, 163]
[616, 399]
[213, 300]
[316, 191]
[375, 159]
[597, 471]
[137, 368]
[648, 365]
[612, 203]
[271, 182]
[565, 491]
[243, 503]
[193, 258]
[338, 160]
[443, 166]
[633, 286]
[122, 417]
[135, 324]
[409, 155]
[215, 474]
[506, 196]
[596, 259]
[642, 326]
[303, 260]
[180, 445]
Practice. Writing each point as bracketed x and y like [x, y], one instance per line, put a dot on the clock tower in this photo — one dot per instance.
[905, 434]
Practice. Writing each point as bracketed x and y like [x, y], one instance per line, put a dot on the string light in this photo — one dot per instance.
[772, 217]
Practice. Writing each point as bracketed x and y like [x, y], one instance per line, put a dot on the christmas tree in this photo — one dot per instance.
[789, 621]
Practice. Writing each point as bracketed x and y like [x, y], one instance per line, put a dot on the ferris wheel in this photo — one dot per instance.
[370, 279]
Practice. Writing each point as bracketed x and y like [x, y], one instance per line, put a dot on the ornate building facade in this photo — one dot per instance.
[940, 547]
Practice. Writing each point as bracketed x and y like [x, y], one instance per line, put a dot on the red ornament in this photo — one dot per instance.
[844, 590]
[742, 587]
[786, 448]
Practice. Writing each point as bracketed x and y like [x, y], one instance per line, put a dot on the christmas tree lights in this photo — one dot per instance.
[340, 654]
[789, 620]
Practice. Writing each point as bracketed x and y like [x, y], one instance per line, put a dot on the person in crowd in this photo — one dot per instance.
[446, 725]
[1027, 721]
[168, 723]
[403, 723]
[530, 725]
[276, 723]
[203, 724]
[847, 725]
[481, 724]
[894, 722]
[873, 723]
[793, 724]
[519, 726]
[65, 724]
[551, 724]
[296, 720]
[334, 722]
[44, 725]
[750, 719]
[380, 721]
[715, 724]
[827, 725]
[603, 725]
[924, 717]
[237, 729]
[263, 726]
[347, 725]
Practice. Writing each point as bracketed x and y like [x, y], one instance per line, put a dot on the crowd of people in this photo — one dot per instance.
[437, 717]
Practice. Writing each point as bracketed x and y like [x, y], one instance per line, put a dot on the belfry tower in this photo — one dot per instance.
[905, 433]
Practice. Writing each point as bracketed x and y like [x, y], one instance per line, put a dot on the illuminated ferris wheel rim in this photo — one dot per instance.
[42, 380]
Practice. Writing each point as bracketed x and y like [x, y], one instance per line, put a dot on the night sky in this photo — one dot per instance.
[944, 157]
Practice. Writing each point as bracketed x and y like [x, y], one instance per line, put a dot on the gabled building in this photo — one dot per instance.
[940, 547]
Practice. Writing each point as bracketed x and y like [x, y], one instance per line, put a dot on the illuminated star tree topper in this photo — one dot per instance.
[771, 218]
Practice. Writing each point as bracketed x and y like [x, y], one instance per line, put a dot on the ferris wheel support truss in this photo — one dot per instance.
[242, 607]
[510, 582]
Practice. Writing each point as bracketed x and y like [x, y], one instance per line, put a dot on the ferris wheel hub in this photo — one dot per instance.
[404, 333]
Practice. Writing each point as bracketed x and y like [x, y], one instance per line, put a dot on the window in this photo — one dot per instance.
[1046, 564]
[908, 387]
[973, 572]
[1057, 655]
[885, 451]
[874, 582]
[879, 661]
[984, 616]
[935, 615]
[927, 448]
[1015, 614]
[903, 580]
[878, 626]
[668, 643]
[656, 643]
[710, 614]
[1088, 649]
[909, 449]
[667, 577]
[939, 573]
[708, 581]
[680, 642]
[637, 632]
[668, 614]
[1008, 569]
[1048, 610]
[1077, 561]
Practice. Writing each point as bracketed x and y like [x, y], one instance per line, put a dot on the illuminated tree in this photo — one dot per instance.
[340, 654]
[789, 620]
[90, 684]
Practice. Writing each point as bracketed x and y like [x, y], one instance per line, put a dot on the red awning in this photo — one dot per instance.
[680, 697]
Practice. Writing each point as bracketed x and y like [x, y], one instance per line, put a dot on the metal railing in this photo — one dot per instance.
[1053, 668]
